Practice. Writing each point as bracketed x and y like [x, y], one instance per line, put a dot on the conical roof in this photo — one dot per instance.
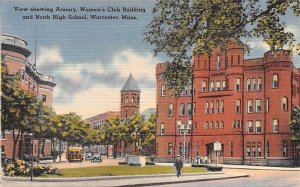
[130, 85]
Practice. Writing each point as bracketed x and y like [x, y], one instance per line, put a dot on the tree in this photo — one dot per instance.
[18, 106]
[184, 28]
[295, 128]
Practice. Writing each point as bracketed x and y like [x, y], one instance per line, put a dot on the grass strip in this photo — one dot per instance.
[123, 170]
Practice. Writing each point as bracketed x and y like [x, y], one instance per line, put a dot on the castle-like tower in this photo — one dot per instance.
[130, 98]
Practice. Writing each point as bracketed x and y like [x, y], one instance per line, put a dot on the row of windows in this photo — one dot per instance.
[211, 108]
[186, 92]
[255, 126]
[134, 99]
[214, 86]
[254, 85]
[256, 106]
[216, 125]
[184, 109]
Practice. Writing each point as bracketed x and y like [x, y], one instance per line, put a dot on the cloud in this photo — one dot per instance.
[49, 58]
[92, 87]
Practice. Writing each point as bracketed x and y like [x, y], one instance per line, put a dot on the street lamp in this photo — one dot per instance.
[184, 129]
[31, 158]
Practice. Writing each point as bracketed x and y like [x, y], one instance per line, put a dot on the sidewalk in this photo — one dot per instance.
[140, 180]
[259, 167]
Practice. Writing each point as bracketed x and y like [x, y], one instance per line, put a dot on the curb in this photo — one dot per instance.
[185, 181]
[37, 179]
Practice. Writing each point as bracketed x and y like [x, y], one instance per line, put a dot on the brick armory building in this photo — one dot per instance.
[245, 104]
[15, 53]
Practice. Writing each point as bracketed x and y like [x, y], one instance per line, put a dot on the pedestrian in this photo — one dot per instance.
[178, 165]
[100, 158]
[197, 159]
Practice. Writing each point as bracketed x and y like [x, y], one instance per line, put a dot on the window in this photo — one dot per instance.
[231, 59]
[275, 81]
[224, 85]
[217, 106]
[267, 105]
[249, 106]
[217, 125]
[170, 110]
[203, 86]
[248, 85]
[218, 62]
[218, 85]
[222, 125]
[253, 84]
[258, 149]
[249, 126]
[126, 98]
[44, 98]
[170, 149]
[138, 99]
[238, 124]
[257, 105]
[181, 110]
[275, 125]
[233, 124]
[259, 84]
[284, 103]
[211, 125]
[254, 149]
[237, 84]
[163, 90]
[211, 107]
[132, 99]
[239, 59]
[257, 127]
[212, 86]
[248, 149]
[284, 148]
[238, 106]
[222, 106]
[206, 107]
[206, 125]
[189, 109]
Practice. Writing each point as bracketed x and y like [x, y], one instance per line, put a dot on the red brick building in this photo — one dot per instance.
[15, 53]
[245, 104]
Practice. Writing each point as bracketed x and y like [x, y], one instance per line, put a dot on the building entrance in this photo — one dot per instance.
[212, 155]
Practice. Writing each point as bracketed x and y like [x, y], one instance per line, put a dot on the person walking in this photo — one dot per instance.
[178, 165]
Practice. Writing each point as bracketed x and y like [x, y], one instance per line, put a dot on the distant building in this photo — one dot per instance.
[15, 53]
[98, 120]
[244, 104]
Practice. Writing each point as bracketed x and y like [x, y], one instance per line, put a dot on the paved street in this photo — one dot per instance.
[258, 178]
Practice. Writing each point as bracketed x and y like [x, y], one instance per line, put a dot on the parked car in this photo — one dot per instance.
[96, 158]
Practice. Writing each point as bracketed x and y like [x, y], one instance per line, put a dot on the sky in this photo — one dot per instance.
[91, 59]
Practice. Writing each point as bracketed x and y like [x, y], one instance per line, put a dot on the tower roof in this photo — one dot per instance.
[130, 85]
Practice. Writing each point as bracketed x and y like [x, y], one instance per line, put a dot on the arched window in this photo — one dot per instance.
[284, 103]
[211, 107]
[182, 109]
[248, 85]
[217, 106]
[163, 90]
[132, 99]
[253, 84]
[222, 106]
[259, 85]
[217, 124]
[126, 98]
[275, 81]
[218, 62]
[222, 125]
[206, 107]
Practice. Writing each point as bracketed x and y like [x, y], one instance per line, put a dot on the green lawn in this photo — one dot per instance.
[124, 170]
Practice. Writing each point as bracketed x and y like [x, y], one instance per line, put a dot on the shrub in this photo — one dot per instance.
[214, 168]
[122, 163]
[21, 168]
